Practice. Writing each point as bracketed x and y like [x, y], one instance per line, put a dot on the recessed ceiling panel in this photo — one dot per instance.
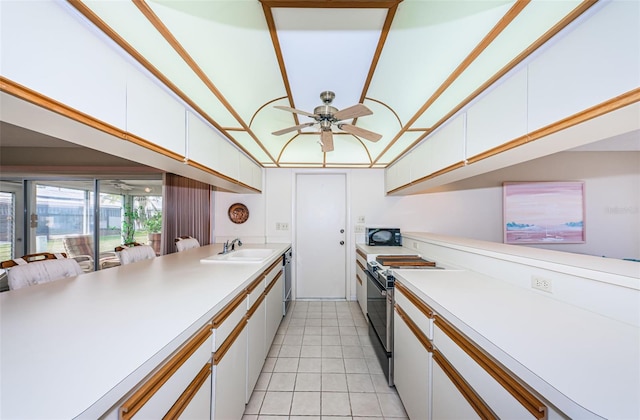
[428, 40]
[327, 49]
[227, 41]
[244, 57]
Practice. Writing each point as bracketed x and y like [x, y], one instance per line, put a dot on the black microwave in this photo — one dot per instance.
[384, 237]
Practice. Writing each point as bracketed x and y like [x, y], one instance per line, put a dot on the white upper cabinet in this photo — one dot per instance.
[499, 116]
[44, 48]
[443, 148]
[595, 61]
[154, 115]
[53, 51]
[592, 61]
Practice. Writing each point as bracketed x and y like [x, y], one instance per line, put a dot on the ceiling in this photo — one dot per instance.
[412, 63]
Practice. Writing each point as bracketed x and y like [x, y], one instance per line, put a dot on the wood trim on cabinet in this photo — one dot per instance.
[139, 398]
[255, 306]
[250, 288]
[476, 402]
[426, 343]
[228, 309]
[415, 300]
[273, 283]
[185, 398]
[359, 279]
[362, 254]
[508, 382]
[360, 265]
[226, 345]
[272, 266]
[38, 99]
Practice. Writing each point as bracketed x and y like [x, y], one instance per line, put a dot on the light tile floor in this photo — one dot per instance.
[322, 366]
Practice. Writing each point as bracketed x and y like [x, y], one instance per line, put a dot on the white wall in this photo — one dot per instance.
[473, 210]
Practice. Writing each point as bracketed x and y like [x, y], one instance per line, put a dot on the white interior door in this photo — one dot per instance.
[320, 236]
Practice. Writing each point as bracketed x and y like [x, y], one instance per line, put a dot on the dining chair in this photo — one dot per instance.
[134, 252]
[80, 248]
[186, 242]
[39, 268]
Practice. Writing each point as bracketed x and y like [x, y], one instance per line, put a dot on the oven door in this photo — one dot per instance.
[377, 313]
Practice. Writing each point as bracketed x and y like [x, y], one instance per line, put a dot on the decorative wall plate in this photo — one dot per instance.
[238, 213]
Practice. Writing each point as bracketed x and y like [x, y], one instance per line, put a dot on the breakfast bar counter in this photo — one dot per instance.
[74, 347]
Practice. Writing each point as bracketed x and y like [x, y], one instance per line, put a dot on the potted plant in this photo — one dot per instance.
[129, 219]
[153, 225]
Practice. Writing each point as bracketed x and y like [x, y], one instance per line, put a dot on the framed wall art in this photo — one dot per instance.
[543, 212]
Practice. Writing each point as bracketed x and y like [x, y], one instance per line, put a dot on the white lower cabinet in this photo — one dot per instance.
[256, 344]
[180, 386]
[273, 298]
[229, 373]
[440, 374]
[412, 370]
[230, 380]
[448, 401]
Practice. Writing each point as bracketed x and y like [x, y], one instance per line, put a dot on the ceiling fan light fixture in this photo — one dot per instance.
[327, 115]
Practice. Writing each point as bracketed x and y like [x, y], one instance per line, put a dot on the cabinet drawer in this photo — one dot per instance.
[419, 312]
[172, 387]
[503, 392]
[255, 290]
[228, 318]
[273, 270]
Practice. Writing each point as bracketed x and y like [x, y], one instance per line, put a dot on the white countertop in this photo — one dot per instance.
[72, 347]
[582, 362]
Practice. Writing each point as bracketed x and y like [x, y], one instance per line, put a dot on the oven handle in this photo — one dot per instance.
[372, 279]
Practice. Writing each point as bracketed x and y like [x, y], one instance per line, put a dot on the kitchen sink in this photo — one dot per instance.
[241, 256]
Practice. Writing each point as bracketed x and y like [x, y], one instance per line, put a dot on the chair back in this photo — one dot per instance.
[78, 245]
[131, 254]
[186, 242]
[39, 268]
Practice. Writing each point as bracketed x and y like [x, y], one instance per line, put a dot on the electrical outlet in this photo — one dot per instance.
[359, 229]
[284, 226]
[541, 283]
[416, 245]
[360, 219]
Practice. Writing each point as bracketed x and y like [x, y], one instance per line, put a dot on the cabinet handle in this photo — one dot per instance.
[185, 398]
[465, 389]
[519, 392]
[149, 388]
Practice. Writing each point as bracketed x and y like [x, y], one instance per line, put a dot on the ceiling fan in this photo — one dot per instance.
[327, 115]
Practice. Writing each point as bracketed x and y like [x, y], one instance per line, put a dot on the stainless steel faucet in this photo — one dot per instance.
[228, 247]
[233, 243]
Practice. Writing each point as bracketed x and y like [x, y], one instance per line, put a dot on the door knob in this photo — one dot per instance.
[341, 242]
[341, 230]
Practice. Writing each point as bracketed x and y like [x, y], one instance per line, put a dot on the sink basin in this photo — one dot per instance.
[240, 256]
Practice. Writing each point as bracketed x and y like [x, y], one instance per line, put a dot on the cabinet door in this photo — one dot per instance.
[256, 343]
[230, 376]
[448, 401]
[505, 394]
[181, 384]
[412, 366]
[274, 308]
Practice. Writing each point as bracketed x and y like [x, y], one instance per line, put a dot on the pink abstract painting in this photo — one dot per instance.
[543, 212]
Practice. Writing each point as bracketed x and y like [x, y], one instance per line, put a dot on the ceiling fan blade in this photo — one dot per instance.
[297, 111]
[360, 132]
[355, 111]
[290, 129]
[326, 137]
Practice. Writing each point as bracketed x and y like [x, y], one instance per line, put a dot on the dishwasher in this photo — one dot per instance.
[286, 298]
